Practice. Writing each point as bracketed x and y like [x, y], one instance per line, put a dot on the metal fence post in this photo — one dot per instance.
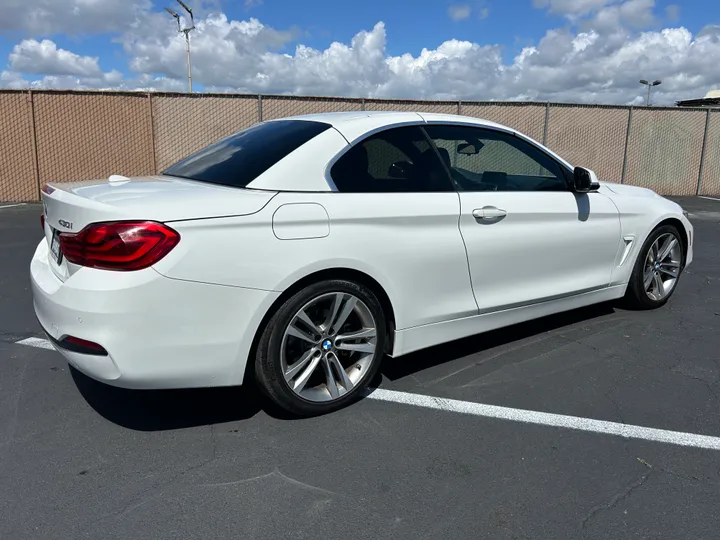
[152, 132]
[362, 104]
[704, 151]
[259, 108]
[33, 131]
[627, 145]
[459, 107]
[547, 122]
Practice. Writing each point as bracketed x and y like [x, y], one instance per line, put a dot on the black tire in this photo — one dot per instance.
[635, 296]
[268, 363]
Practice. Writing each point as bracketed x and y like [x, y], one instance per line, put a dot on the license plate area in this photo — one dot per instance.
[55, 251]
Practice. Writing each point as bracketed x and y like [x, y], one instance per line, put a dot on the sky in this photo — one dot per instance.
[585, 51]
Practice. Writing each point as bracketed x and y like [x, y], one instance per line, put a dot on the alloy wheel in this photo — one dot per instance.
[328, 347]
[662, 266]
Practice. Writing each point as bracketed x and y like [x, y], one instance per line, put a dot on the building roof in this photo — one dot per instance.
[711, 99]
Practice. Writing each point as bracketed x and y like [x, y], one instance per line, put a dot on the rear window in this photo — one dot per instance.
[239, 159]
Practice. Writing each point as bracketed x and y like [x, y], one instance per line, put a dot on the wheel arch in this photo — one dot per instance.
[675, 222]
[350, 274]
[641, 230]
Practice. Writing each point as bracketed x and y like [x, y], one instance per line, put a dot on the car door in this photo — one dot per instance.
[394, 215]
[529, 238]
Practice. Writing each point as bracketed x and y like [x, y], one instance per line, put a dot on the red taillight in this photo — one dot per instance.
[120, 245]
[47, 189]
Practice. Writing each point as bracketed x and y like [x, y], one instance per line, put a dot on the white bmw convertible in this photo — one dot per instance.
[299, 252]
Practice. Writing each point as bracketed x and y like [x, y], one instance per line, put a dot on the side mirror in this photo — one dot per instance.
[585, 181]
[400, 170]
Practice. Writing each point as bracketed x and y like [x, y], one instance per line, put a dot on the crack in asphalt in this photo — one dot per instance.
[688, 477]
[709, 384]
[147, 494]
[635, 485]
[617, 407]
[618, 497]
[16, 406]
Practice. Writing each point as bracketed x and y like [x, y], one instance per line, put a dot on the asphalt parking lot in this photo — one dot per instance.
[82, 460]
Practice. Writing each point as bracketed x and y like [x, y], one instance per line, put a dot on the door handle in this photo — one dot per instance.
[489, 212]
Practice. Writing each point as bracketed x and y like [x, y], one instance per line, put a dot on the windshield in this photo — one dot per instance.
[239, 159]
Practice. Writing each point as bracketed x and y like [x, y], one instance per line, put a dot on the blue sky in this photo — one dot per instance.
[569, 50]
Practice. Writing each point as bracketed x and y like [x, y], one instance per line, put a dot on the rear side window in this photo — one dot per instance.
[393, 161]
[239, 159]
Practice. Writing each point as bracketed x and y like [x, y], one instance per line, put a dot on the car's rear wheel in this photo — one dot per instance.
[657, 269]
[321, 347]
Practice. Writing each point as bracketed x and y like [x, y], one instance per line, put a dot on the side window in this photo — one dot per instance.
[393, 161]
[239, 159]
[488, 160]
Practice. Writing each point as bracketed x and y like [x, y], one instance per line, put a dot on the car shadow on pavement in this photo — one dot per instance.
[404, 366]
[157, 410]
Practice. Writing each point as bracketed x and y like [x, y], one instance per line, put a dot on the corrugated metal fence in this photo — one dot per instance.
[58, 136]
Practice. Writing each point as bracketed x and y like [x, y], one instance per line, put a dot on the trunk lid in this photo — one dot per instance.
[68, 207]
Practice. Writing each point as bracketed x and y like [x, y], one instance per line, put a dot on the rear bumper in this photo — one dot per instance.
[158, 332]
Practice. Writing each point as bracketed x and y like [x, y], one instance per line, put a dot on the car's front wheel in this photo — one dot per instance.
[321, 347]
[657, 269]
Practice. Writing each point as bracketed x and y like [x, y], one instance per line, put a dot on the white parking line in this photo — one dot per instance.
[709, 198]
[36, 342]
[548, 419]
[11, 205]
[577, 423]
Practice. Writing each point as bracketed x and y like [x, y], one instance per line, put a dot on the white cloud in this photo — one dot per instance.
[595, 65]
[600, 63]
[571, 7]
[672, 12]
[223, 52]
[43, 57]
[711, 31]
[49, 17]
[633, 13]
[459, 12]
[61, 69]
[603, 15]
[11, 79]
[637, 13]
[107, 81]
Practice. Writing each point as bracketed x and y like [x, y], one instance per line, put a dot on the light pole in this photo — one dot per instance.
[185, 31]
[646, 83]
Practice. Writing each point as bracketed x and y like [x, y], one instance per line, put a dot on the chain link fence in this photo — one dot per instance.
[527, 118]
[18, 174]
[183, 124]
[83, 136]
[591, 136]
[272, 107]
[443, 107]
[664, 149]
[58, 136]
[710, 182]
